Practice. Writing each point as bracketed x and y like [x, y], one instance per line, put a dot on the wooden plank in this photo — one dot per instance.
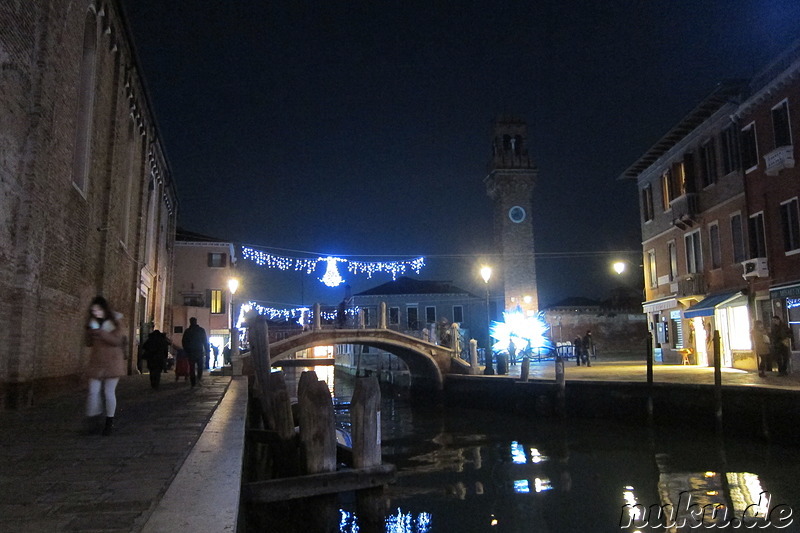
[275, 490]
[320, 361]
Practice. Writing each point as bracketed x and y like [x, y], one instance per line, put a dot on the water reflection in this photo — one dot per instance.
[473, 471]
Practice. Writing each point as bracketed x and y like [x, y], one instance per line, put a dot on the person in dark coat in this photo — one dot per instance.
[155, 351]
[588, 347]
[578, 348]
[779, 341]
[195, 343]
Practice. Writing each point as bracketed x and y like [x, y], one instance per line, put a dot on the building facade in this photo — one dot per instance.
[88, 205]
[510, 182]
[203, 270]
[718, 207]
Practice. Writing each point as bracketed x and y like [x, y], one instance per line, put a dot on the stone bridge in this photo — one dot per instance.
[428, 363]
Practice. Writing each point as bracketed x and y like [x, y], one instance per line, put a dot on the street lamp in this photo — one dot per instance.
[486, 274]
[236, 363]
[619, 267]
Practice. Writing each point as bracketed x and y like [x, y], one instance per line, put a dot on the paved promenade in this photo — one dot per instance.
[54, 478]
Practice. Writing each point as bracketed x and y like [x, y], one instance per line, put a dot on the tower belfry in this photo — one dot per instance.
[512, 175]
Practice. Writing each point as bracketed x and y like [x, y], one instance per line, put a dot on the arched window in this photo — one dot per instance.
[131, 170]
[83, 124]
[506, 143]
[518, 144]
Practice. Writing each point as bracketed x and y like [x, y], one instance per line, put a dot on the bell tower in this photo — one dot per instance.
[510, 182]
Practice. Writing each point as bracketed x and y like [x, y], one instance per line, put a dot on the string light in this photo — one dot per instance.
[303, 315]
[332, 277]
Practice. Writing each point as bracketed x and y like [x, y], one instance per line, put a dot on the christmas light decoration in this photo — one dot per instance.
[520, 329]
[303, 315]
[332, 277]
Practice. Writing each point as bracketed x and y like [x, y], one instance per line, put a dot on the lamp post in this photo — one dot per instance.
[486, 274]
[236, 362]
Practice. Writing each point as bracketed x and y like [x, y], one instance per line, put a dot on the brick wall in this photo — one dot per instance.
[61, 244]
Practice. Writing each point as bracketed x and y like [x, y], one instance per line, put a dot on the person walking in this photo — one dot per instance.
[761, 344]
[155, 351]
[577, 346]
[195, 343]
[106, 361]
[588, 347]
[780, 341]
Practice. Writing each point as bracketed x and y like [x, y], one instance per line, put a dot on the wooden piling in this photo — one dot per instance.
[365, 419]
[317, 429]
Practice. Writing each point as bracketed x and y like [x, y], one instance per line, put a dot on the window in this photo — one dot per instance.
[708, 163]
[217, 260]
[749, 147]
[780, 124]
[651, 268]
[647, 202]
[730, 150]
[86, 94]
[672, 248]
[458, 314]
[412, 318]
[666, 190]
[678, 178]
[394, 316]
[713, 239]
[694, 254]
[737, 236]
[367, 316]
[758, 245]
[216, 301]
[790, 223]
[430, 315]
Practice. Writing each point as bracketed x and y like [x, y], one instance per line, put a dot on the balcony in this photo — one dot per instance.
[684, 209]
[779, 159]
[690, 285]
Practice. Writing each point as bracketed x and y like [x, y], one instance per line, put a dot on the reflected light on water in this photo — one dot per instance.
[521, 486]
[399, 522]
[518, 453]
[542, 484]
[630, 500]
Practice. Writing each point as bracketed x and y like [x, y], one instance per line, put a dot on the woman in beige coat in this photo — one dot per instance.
[106, 361]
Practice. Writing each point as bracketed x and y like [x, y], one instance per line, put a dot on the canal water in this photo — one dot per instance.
[464, 470]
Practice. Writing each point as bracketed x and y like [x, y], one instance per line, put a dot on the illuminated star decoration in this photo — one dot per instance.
[521, 330]
[332, 278]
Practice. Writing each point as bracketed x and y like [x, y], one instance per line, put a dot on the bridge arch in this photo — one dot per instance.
[427, 363]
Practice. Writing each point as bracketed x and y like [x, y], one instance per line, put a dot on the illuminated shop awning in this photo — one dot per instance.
[707, 306]
[660, 305]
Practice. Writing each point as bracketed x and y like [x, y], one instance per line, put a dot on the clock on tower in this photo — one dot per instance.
[509, 184]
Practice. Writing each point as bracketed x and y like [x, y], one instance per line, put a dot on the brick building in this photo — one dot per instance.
[88, 205]
[719, 218]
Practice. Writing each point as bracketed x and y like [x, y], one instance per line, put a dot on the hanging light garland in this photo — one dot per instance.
[332, 277]
[302, 315]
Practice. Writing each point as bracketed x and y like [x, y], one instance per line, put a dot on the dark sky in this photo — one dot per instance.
[363, 127]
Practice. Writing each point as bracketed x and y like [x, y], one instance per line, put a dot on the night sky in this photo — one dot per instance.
[362, 128]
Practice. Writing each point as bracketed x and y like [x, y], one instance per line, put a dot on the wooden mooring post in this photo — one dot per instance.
[317, 443]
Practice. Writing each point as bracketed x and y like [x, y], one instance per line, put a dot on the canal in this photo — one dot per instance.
[466, 470]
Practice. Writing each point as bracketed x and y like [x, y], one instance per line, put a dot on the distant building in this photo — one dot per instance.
[88, 205]
[720, 221]
[618, 326]
[203, 267]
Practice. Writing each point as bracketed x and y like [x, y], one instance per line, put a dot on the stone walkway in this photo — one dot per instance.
[54, 477]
